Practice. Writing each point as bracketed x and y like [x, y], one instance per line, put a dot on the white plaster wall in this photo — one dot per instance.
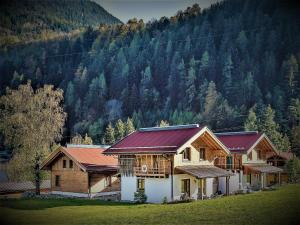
[209, 187]
[177, 186]
[195, 155]
[235, 183]
[128, 187]
[157, 188]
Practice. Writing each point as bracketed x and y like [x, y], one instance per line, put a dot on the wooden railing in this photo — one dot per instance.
[151, 171]
[145, 165]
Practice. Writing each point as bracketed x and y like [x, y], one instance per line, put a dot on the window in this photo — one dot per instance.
[249, 156]
[57, 180]
[229, 162]
[187, 154]
[64, 163]
[202, 154]
[71, 163]
[141, 185]
[185, 186]
[258, 154]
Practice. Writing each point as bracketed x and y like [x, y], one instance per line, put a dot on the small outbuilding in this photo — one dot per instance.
[81, 170]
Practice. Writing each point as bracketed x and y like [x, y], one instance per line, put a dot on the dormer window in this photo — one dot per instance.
[187, 154]
[202, 154]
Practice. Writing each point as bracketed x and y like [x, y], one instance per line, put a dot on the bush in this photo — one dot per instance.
[165, 200]
[140, 197]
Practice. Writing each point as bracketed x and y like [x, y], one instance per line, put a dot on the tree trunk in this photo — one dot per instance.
[37, 179]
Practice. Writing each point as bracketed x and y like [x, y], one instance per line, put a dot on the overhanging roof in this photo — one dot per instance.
[164, 140]
[202, 171]
[86, 158]
[263, 168]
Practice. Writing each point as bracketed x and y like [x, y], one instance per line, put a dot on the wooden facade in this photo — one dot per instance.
[69, 175]
[145, 165]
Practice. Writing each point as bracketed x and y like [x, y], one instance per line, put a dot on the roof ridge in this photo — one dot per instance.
[87, 146]
[236, 133]
[175, 127]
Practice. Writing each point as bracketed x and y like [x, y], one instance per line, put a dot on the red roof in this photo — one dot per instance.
[152, 140]
[91, 156]
[239, 141]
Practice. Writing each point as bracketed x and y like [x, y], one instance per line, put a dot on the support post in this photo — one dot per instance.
[202, 183]
[279, 180]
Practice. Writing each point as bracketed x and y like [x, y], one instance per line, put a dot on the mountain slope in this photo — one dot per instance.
[207, 67]
[27, 19]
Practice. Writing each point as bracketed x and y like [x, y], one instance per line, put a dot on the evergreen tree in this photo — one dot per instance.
[251, 122]
[163, 123]
[109, 136]
[119, 130]
[271, 129]
[129, 128]
[190, 92]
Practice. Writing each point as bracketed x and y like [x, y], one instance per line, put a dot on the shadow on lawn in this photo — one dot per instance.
[39, 204]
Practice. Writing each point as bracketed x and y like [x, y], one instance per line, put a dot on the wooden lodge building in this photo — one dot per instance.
[81, 170]
[248, 160]
[172, 162]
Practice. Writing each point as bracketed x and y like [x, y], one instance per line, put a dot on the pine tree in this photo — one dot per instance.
[190, 92]
[119, 130]
[271, 129]
[129, 128]
[87, 140]
[251, 122]
[163, 123]
[290, 71]
[77, 139]
[227, 74]
[109, 136]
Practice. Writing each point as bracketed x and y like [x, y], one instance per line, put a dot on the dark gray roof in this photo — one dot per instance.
[203, 171]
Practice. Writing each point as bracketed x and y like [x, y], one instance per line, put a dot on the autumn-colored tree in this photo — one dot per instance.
[31, 122]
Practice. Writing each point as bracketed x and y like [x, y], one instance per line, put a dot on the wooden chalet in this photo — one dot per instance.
[248, 159]
[80, 170]
[171, 162]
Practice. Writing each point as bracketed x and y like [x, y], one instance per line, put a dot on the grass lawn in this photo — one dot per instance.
[281, 206]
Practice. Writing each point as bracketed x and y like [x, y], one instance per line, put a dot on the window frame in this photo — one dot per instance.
[203, 157]
[71, 164]
[186, 155]
[64, 163]
[186, 184]
[140, 185]
[57, 180]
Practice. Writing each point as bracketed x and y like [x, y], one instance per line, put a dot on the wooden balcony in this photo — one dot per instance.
[145, 166]
[152, 172]
[234, 164]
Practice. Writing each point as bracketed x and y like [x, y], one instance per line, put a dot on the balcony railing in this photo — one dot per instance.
[160, 171]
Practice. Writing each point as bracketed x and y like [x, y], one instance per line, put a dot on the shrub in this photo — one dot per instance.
[165, 200]
[140, 197]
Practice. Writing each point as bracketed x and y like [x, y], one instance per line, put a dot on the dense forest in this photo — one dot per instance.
[232, 67]
[28, 20]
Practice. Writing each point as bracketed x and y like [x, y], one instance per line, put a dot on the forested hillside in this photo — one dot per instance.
[209, 67]
[27, 20]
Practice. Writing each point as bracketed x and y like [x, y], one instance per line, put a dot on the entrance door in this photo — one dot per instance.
[185, 187]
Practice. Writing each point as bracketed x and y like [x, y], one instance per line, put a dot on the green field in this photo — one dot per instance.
[281, 206]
